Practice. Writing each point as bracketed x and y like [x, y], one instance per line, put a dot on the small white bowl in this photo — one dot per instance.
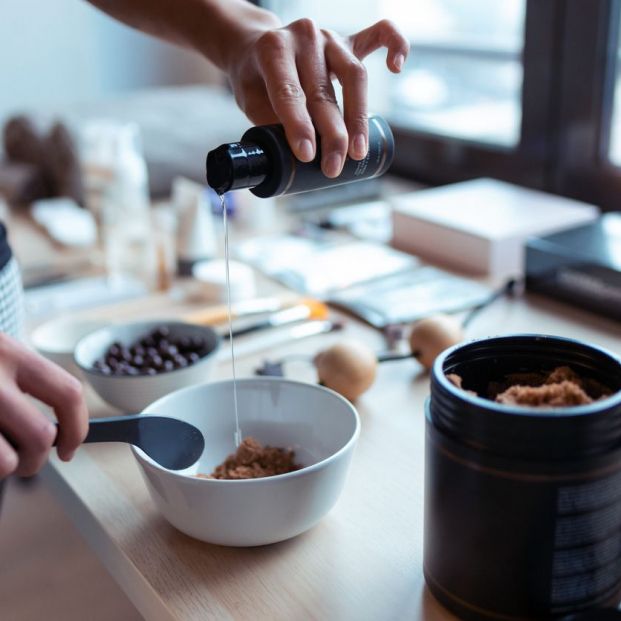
[132, 394]
[318, 424]
[57, 339]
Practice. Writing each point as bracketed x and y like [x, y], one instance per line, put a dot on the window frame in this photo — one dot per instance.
[435, 159]
[582, 168]
[569, 74]
[570, 62]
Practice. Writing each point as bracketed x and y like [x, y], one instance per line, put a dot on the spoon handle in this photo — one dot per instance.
[172, 443]
[113, 429]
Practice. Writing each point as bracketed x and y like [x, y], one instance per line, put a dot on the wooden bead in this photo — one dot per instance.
[432, 335]
[348, 368]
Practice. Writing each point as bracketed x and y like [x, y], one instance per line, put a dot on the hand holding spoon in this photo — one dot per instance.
[172, 443]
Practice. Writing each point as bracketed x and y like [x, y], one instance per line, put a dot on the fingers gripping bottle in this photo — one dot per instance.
[263, 162]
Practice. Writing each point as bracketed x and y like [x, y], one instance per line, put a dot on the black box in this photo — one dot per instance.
[581, 266]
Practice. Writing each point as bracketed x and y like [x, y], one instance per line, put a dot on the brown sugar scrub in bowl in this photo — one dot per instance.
[252, 460]
[523, 478]
[320, 425]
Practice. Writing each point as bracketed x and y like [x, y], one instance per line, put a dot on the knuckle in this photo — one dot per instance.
[356, 70]
[290, 92]
[271, 42]
[321, 93]
[305, 27]
[386, 24]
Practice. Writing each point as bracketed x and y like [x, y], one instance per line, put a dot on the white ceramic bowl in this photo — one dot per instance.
[56, 339]
[132, 394]
[320, 425]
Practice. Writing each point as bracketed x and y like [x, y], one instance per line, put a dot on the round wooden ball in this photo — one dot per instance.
[432, 335]
[347, 367]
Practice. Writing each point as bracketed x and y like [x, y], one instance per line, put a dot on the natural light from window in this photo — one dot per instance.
[614, 150]
[464, 75]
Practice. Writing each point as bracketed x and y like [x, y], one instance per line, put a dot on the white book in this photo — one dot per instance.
[481, 226]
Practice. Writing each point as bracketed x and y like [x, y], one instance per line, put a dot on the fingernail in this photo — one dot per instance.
[67, 455]
[360, 145]
[399, 60]
[332, 165]
[305, 150]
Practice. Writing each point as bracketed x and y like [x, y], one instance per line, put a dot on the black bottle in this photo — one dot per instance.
[263, 162]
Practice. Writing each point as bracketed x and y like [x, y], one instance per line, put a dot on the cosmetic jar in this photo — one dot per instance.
[522, 504]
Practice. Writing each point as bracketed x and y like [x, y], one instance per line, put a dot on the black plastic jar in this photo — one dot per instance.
[522, 504]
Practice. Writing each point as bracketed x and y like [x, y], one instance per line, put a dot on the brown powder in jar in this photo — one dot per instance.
[560, 394]
[561, 387]
[457, 380]
[252, 460]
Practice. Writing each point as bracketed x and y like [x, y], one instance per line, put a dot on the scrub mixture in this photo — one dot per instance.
[252, 460]
[561, 387]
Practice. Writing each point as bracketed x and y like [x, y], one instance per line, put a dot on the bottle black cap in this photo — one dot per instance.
[236, 165]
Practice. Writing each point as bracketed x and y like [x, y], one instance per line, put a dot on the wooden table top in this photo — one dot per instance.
[362, 561]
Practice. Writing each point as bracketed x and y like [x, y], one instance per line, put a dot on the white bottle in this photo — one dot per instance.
[126, 217]
[196, 239]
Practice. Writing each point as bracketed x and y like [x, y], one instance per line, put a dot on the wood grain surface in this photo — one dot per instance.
[361, 562]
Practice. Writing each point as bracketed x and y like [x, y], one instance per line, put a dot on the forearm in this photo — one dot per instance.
[212, 27]
[279, 74]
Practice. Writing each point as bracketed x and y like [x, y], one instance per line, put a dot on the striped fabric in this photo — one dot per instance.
[11, 300]
[11, 308]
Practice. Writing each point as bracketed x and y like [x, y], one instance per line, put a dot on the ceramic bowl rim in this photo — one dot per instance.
[144, 459]
[48, 325]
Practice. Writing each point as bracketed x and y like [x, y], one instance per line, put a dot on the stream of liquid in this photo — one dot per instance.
[237, 437]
